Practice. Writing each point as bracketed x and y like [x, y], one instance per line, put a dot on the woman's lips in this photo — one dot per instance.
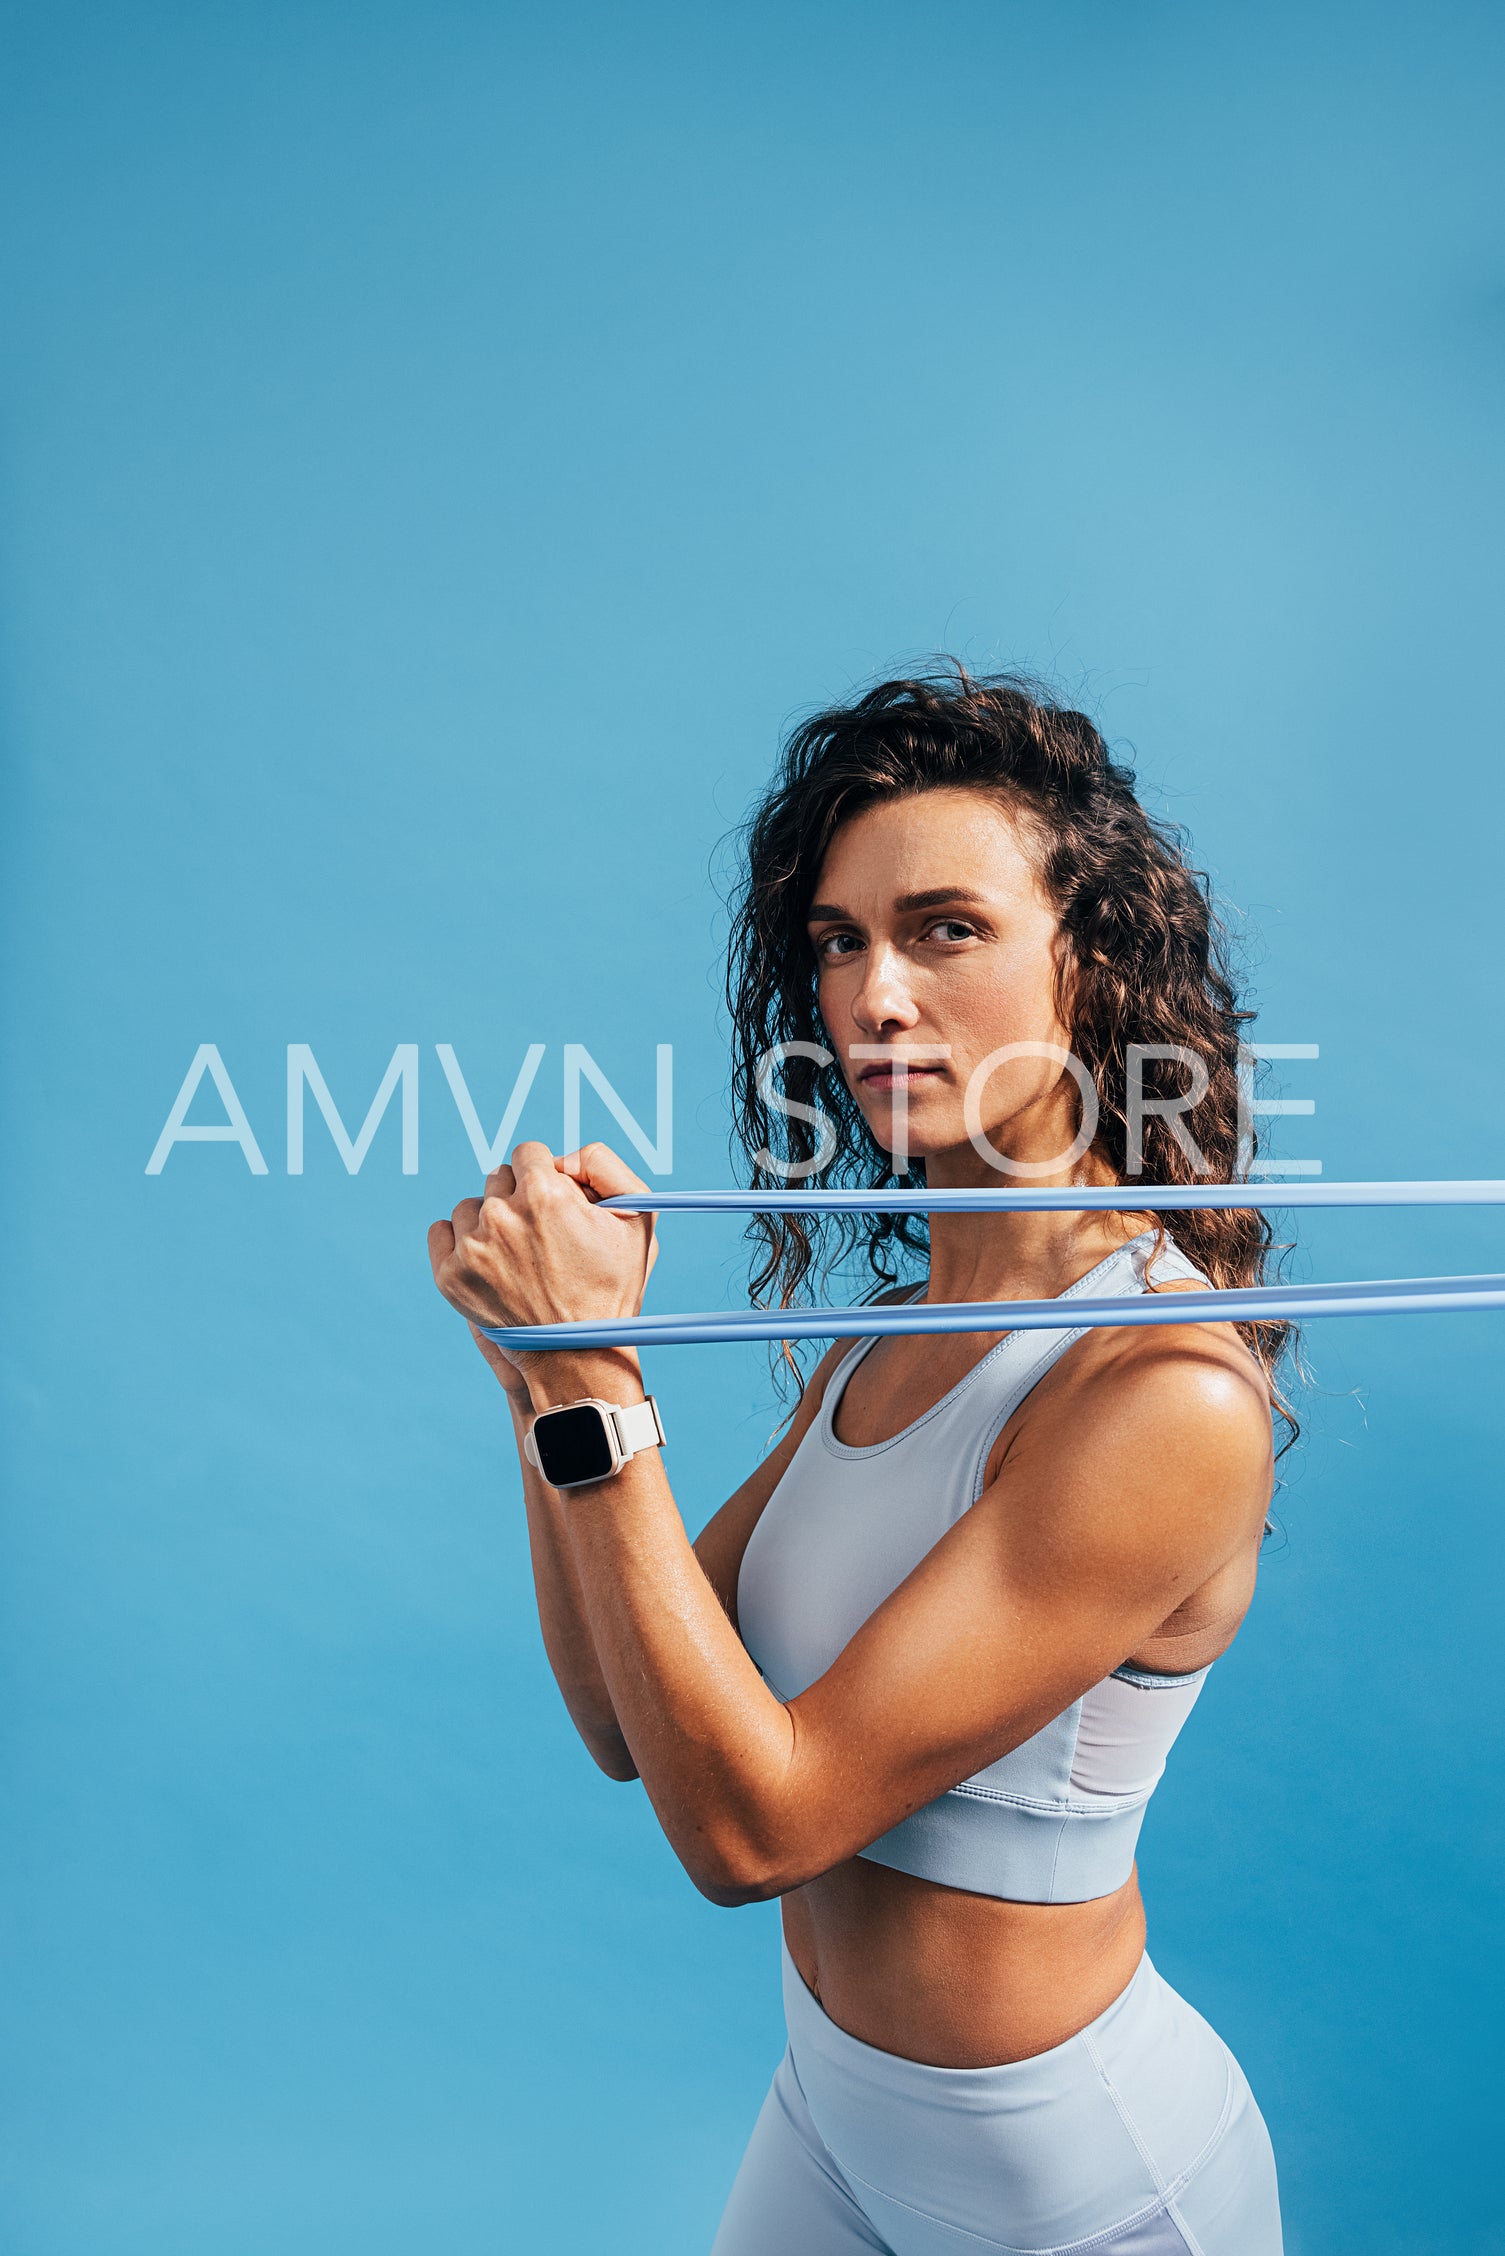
[886, 1075]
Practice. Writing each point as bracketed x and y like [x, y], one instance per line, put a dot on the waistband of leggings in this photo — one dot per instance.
[811, 2030]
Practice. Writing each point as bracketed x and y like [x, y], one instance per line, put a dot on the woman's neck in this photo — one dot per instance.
[1016, 1256]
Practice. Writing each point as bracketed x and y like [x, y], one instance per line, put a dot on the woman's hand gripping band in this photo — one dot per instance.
[538, 1247]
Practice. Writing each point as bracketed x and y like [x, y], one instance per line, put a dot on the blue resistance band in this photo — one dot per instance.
[1404, 1296]
[1063, 1198]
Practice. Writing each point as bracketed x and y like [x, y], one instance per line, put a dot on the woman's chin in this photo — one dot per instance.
[916, 1150]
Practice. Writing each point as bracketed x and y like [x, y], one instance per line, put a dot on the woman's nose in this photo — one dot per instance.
[884, 1000]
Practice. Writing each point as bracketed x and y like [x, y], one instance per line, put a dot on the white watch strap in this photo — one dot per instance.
[639, 1426]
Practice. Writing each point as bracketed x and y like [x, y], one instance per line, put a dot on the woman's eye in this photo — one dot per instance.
[952, 928]
[836, 944]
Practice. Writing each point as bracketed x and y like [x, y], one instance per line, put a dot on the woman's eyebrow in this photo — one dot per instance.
[938, 896]
[827, 912]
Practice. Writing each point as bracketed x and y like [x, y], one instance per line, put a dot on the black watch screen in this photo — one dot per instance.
[572, 1446]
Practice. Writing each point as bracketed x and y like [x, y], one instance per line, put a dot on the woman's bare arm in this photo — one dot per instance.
[1124, 1492]
[562, 1619]
[1106, 1516]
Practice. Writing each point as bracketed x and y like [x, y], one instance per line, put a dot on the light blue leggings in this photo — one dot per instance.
[1137, 2137]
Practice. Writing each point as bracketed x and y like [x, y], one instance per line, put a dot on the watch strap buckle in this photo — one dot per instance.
[638, 1425]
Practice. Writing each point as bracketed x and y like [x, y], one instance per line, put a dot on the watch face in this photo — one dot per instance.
[572, 1446]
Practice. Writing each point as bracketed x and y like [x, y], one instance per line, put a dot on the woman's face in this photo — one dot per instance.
[932, 937]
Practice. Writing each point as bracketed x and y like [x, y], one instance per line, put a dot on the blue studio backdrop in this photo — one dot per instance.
[441, 448]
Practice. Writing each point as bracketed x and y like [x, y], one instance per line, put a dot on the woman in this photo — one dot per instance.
[919, 1676]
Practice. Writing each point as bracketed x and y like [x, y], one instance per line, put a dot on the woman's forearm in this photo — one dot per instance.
[713, 1746]
[562, 1615]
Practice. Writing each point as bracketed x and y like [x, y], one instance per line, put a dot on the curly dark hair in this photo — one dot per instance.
[1146, 961]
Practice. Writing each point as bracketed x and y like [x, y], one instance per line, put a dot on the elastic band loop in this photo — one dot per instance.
[1278, 1304]
[1255, 1304]
[1065, 1198]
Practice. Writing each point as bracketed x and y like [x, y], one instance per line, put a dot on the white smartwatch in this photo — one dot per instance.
[590, 1440]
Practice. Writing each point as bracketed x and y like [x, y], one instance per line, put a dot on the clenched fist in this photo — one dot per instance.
[537, 1248]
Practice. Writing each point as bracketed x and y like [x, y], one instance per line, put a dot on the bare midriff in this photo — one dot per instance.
[957, 1980]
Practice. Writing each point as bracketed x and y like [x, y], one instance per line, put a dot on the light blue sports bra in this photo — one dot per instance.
[1057, 1819]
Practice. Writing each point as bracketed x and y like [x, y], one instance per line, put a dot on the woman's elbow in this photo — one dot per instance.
[736, 1870]
[601, 1736]
[615, 1762]
[730, 1893]
[607, 1749]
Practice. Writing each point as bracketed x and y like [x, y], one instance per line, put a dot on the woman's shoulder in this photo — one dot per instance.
[1154, 1456]
[1182, 1403]
[1190, 1400]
